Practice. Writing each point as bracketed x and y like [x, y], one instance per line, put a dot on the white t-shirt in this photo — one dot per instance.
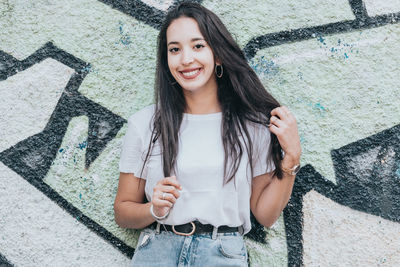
[199, 170]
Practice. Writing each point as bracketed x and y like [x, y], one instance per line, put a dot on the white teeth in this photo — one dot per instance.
[190, 73]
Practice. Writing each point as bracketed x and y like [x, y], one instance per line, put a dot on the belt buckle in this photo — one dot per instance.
[185, 234]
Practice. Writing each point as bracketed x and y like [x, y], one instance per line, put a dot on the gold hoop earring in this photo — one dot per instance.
[219, 73]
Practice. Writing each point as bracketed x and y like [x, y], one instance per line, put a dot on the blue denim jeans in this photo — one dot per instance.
[168, 249]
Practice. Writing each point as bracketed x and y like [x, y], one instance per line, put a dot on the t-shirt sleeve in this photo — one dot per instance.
[262, 158]
[131, 160]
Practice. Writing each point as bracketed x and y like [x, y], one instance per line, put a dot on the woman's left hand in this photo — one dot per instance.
[283, 124]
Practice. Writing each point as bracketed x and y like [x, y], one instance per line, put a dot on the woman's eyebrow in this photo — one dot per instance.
[197, 39]
[192, 40]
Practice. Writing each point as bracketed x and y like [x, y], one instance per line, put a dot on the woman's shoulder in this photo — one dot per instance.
[143, 118]
[143, 115]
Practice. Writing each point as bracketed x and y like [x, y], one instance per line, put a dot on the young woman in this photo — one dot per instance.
[203, 156]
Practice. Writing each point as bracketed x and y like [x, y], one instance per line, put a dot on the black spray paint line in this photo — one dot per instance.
[32, 158]
[177, 2]
[138, 10]
[358, 9]
[11, 65]
[373, 190]
[293, 213]
[302, 34]
[4, 262]
[143, 12]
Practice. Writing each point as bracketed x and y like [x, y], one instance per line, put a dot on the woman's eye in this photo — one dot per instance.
[198, 46]
[174, 50]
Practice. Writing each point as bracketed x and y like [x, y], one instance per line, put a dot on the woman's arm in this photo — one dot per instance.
[270, 195]
[130, 211]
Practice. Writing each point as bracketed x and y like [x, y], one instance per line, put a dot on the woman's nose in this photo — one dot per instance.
[187, 57]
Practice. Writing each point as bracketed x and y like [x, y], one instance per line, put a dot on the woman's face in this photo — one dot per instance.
[190, 59]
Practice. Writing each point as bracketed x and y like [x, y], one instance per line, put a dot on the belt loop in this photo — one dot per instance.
[214, 233]
[241, 230]
[158, 228]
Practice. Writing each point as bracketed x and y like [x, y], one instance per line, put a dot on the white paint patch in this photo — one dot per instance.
[69, 150]
[29, 98]
[363, 164]
[159, 4]
[380, 7]
[320, 54]
[35, 231]
[335, 235]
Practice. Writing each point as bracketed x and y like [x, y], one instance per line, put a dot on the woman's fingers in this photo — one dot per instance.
[160, 189]
[169, 197]
[283, 118]
[159, 203]
[162, 202]
[279, 112]
[275, 130]
[276, 121]
[283, 113]
[168, 185]
[170, 190]
[283, 124]
[170, 181]
[165, 194]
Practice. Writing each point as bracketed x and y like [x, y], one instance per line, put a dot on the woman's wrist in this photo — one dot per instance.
[289, 161]
[290, 165]
[155, 216]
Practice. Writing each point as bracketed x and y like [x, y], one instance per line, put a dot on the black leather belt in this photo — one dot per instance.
[194, 228]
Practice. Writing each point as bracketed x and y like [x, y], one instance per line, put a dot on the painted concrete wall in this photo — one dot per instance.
[71, 72]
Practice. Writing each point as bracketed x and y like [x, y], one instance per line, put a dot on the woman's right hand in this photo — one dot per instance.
[165, 194]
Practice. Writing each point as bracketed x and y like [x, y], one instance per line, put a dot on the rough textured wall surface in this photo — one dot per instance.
[71, 72]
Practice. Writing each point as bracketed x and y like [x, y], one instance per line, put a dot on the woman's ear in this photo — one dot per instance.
[218, 62]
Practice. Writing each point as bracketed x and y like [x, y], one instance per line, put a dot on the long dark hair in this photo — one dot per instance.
[242, 96]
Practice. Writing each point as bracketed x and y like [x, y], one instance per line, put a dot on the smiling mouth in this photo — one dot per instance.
[190, 74]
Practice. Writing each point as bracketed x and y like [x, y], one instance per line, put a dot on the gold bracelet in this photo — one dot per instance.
[292, 171]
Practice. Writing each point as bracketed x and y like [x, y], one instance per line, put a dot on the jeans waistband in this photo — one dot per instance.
[195, 227]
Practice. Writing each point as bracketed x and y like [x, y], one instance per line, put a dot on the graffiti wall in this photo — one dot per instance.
[72, 72]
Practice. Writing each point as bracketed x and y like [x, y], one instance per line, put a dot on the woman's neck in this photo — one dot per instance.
[202, 102]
